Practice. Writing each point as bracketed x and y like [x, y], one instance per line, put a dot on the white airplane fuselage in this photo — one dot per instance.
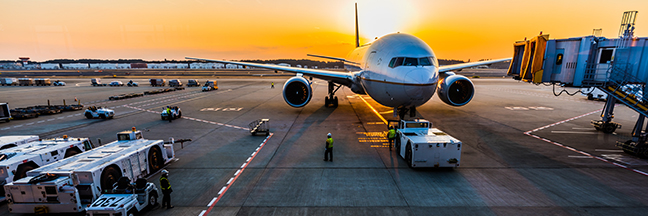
[390, 85]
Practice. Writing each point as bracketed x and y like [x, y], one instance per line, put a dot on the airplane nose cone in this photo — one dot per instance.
[418, 83]
[419, 76]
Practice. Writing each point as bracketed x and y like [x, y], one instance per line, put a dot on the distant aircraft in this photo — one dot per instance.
[397, 70]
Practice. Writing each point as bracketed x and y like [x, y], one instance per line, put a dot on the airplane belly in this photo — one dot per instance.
[388, 94]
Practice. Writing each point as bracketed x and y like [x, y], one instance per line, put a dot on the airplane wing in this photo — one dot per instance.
[343, 78]
[448, 68]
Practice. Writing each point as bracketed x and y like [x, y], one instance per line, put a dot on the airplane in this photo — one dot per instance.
[397, 70]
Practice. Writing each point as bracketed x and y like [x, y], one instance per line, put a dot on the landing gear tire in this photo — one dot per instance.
[326, 101]
[335, 101]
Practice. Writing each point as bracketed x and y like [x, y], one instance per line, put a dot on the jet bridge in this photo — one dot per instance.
[616, 66]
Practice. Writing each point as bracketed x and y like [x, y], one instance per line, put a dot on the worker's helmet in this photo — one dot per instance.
[165, 172]
[391, 127]
[329, 134]
[167, 106]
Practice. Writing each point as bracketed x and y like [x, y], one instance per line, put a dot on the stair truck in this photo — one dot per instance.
[13, 141]
[71, 185]
[17, 161]
[420, 145]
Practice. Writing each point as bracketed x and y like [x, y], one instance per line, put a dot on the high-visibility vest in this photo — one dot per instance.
[391, 134]
[168, 111]
[163, 181]
[329, 141]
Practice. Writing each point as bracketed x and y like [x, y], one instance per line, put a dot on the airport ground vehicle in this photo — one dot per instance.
[8, 81]
[423, 146]
[5, 113]
[210, 85]
[16, 162]
[43, 82]
[192, 83]
[99, 112]
[157, 82]
[97, 82]
[175, 83]
[125, 199]
[13, 141]
[69, 185]
[132, 84]
[176, 113]
[116, 83]
[58, 83]
[25, 81]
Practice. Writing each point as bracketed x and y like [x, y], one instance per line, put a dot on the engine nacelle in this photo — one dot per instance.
[455, 90]
[297, 91]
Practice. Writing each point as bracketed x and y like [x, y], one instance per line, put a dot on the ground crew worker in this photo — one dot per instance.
[391, 134]
[166, 189]
[271, 84]
[328, 148]
[169, 113]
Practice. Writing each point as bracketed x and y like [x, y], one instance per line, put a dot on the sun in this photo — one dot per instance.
[380, 17]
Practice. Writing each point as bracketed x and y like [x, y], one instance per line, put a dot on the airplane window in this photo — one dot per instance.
[425, 61]
[399, 62]
[410, 62]
[391, 63]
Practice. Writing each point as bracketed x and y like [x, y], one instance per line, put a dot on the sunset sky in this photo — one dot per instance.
[261, 29]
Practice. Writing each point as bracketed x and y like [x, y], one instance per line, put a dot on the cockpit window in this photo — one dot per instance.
[405, 61]
[425, 61]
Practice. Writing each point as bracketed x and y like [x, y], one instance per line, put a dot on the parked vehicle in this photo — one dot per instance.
[193, 83]
[132, 84]
[58, 83]
[8, 81]
[176, 113]
[175, 83]
[210, 85]
[97, 82]
[125, 198]
[25, 81]
[157, 82]
[5, 113]
[99, 112]
[116, 83]
[43, 82]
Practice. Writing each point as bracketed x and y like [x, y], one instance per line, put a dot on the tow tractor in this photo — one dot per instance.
[421, 145]
[132, 84]
[125, 198]
[99, 112]
[176, 113]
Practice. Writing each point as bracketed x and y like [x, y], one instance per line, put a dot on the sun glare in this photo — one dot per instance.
[380, 17]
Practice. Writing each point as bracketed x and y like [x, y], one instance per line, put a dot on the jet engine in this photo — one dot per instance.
[455, 90]
[297, 91]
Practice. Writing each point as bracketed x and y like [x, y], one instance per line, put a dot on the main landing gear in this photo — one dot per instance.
[401, 112]
[331, 100]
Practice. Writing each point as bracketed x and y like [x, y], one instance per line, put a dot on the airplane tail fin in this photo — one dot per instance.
[357, 39]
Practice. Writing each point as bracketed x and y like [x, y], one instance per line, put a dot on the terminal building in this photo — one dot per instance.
[616, 66]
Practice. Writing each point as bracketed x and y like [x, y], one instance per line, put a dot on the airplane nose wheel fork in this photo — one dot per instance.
[331, 100]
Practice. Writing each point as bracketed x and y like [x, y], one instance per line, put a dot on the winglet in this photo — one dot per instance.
[356, 26]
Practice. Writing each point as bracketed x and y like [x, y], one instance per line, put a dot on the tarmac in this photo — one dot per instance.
[525, 151]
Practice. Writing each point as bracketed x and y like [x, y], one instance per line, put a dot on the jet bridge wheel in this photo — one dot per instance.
[155, 159]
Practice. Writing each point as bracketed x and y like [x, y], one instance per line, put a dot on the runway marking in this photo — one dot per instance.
[210, 203]
[608, 150]
[578, 156]
[529, 133]
[529, 108]
[372, 108]
[189, 118]
[202, 212]
[233, 179]
[575, 132]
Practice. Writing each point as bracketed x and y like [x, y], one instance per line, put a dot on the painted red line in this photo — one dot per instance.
[236, 177]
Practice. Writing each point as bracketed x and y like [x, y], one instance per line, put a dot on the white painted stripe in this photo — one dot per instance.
[237, 172]
[575, 132]
[253, 153]
[578, 156]
[242, 166]
[41, 121]
[230, 180]
[641, 172]
[620, 165]
[30, 123]
[608, 150]
[221, 190]
[202, 213]
[212, 201]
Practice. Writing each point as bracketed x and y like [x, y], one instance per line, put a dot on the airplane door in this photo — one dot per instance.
[370, 59]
